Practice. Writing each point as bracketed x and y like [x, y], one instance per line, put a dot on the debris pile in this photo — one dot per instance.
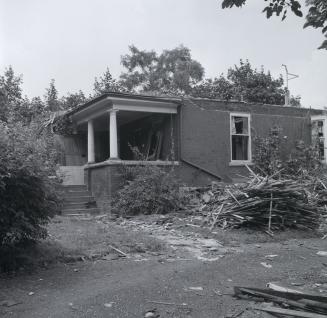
[264, 203]
[285, 301]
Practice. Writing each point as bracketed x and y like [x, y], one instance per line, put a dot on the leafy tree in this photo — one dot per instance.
[106, 83]
[52, 102]
[10, 93]
[217, 88]
[316, 16]
[173, 71]
[244, 83]
[72, 100]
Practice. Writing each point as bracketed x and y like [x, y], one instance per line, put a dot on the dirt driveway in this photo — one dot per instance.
[191, 274]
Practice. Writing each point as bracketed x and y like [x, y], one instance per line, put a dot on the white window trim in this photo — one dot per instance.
[322, 118]
[240, 162]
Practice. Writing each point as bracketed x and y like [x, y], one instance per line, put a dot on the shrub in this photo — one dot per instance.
[148, 190]
[269, 158]
[28, 195]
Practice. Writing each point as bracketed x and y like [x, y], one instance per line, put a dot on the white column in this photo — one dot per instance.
[113, 134]
[90, 141]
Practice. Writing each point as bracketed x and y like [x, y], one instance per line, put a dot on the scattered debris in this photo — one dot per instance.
[288, 312]
[299, 304]
[271, 256]
[264, 202]
[264, 264]
[9, 303]
[167, 303]
[152, 313]
[198, 288]
[276, 287]
[118, 251]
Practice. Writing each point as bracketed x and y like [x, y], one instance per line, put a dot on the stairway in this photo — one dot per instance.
[78, 201]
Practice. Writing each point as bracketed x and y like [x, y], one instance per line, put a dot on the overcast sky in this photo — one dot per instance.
[73, 41]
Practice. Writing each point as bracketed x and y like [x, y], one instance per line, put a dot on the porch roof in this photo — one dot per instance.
[125, 102]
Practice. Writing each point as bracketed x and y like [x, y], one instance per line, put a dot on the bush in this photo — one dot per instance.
[148, 190]
[270, 159]
[28, 195]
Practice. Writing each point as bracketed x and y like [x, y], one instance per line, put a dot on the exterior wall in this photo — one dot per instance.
[205, 135]
[75, 149]
[105, 179]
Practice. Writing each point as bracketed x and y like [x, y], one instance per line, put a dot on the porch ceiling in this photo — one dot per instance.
[101, 123]
[124, 105]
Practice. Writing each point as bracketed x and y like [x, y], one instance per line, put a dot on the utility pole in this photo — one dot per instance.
[289, 77]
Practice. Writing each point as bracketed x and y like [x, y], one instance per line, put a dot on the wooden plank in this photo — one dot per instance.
[288, 312]
[289, 295]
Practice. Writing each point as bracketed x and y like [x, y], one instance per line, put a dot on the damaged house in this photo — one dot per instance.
[206, 140]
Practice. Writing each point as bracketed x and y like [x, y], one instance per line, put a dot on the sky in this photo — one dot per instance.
[73, 41]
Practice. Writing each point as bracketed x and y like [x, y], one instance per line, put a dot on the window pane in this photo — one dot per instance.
[240, 125]
[240, 147]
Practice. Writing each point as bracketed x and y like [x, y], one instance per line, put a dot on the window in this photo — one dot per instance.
[318, 137]
[240, 138]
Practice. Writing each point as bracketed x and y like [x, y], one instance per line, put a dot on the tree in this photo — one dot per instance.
[107, 83]
[72, 100]
[217, 88]
[244, 83]
[52, 102]
[173, 71]
[10, 93]
[316, 16]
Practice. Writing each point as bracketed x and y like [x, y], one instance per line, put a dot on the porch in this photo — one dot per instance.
[115, 131]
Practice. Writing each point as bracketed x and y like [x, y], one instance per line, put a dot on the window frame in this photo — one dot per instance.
[249, 160]
[322, 118]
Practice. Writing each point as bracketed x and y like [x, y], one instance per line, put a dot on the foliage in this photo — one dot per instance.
[244, 83]
[52, 102]
[28, 195]
[148, 190]
[72, 100]
[218, 88]
[267, 152]
[270, 158]
[107, 83]
[316, 16]
[172, 71]
[10, 93]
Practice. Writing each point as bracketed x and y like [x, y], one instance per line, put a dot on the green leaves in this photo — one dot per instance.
[243, 83]
[173, 71]
[316, 17]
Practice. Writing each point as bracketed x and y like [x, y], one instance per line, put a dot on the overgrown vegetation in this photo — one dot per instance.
[269, 160]
[148, 190]
[28, 192]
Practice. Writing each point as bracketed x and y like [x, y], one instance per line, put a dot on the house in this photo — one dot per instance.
[205, 140]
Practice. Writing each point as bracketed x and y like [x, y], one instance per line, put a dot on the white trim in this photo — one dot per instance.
[240, 162]
[322, 118]
[167, 109]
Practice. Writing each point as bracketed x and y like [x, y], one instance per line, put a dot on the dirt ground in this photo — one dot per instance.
[165, 266]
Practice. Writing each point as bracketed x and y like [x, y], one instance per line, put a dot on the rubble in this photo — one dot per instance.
[267, 203]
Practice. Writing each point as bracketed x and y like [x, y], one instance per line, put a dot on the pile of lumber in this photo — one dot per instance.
[266, 203]
[286, 302]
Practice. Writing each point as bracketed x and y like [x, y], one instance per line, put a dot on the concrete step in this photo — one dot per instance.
[79, 205]
[86, 198]
[75, 194]
[75, 187]
[81, 211]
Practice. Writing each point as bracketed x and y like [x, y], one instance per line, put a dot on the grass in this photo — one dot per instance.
[75, 239]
